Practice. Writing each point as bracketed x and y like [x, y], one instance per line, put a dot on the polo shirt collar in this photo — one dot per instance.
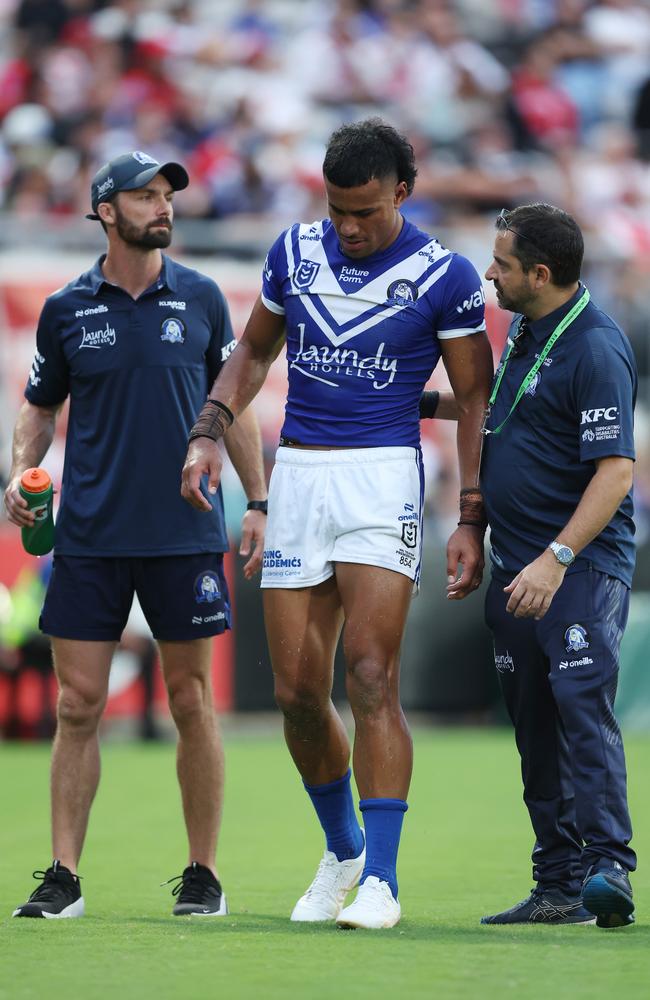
[542, 328]
[168, 277]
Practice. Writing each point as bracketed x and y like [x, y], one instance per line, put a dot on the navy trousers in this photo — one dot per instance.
[559, 679]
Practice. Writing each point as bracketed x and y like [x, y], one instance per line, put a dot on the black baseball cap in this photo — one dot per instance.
[131, 171]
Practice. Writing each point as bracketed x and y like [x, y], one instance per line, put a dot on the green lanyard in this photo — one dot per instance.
[557, 333]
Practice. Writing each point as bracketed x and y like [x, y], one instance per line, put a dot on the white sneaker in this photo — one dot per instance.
[374, 907]
[326, 895]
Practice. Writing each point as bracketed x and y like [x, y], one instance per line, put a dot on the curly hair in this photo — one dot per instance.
[362, 151]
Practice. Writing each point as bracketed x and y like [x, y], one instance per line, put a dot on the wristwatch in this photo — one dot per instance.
[564, 555]
[262, 505]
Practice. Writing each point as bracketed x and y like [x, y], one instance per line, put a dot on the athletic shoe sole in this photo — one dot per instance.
[75, 909]
[612, 906]
[221, 912]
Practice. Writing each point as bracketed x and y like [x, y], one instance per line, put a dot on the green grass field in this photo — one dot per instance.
[465, 852]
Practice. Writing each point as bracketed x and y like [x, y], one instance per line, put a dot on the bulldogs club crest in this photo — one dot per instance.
[402, 292]
[206, 588]
[173, 330]
[576, 638]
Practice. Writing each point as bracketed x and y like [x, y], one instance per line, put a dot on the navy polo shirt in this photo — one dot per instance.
[578, 408]
[137, 373]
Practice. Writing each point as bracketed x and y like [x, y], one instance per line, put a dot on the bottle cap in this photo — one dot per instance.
[35, 480]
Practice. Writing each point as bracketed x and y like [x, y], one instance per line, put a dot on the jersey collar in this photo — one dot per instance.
[168, 277]
[542, 328]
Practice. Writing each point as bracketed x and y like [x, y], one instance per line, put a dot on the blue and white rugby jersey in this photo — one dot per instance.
[363, 334]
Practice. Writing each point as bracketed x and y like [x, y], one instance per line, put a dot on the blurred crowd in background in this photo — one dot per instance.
[505, 102]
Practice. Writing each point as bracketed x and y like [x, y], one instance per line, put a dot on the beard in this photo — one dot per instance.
[151, 237]
[515, 302]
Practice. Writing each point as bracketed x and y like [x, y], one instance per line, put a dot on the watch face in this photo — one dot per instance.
[564, 555]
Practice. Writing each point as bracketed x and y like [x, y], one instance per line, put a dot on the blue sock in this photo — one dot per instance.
[335, 810]
[382, 820]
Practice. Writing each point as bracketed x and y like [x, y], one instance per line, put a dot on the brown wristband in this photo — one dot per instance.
[472, 510]
[213, 421]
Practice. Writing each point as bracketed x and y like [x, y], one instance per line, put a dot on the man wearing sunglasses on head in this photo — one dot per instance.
[556, 479]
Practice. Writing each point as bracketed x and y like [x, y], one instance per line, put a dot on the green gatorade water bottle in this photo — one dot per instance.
[36, 488]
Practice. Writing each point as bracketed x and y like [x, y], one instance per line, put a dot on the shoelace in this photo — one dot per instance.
[58, 879]
[190, 887]
[324, 884]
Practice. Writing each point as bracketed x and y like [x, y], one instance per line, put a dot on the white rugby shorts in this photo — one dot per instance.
[357, 505]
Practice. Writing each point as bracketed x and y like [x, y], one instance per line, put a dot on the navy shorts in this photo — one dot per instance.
[182, 597]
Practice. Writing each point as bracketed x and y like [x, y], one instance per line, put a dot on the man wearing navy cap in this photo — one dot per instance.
[135, 342]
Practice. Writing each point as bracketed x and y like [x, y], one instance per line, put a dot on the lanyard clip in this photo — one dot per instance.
[486, 417]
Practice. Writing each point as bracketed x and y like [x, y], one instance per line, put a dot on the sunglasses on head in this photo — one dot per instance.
[503, 224]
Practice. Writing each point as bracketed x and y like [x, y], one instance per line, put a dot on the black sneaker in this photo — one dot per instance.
[199, 893]
[58, 895]
[545, 905]
[607, 892]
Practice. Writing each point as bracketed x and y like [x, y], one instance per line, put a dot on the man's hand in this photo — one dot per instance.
[252, 534]
[533, 589]
[465, 547]
[16, 505]
[203, 458]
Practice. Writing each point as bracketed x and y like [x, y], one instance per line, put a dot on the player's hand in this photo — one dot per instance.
[252, 534]
[533, 589]
[464, 549]
[16, 506]
[203, 459]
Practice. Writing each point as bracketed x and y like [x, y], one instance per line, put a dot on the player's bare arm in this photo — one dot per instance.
[468, 361]
[244, 446]
[236, 385]
[533, 589]
[33, 436]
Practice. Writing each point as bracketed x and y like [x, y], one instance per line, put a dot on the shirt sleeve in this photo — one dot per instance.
[222, 341]
[48, 380]
[605, 389]
[462, 306]
[274, 268]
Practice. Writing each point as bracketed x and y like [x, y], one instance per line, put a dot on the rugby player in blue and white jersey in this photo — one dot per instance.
[367, 304]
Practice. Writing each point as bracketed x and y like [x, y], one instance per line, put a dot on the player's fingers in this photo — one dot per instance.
[190, 490]
[545, 605]
[245, 541]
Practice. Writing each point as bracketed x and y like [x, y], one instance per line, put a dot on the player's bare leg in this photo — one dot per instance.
[199, 759]
[303, 628]
[82, 670]
[376, 603]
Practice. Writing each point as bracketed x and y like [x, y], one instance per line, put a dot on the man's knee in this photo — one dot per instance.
[368, 685]
[79, 710]
[189, 697]
[299, 702]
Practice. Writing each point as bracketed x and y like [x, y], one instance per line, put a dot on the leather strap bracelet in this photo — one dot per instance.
[262, 505]
[213, 421]
[472, 510]
[429, 403]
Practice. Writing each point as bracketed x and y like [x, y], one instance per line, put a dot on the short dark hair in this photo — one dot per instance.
[362, 151]
[544, 234]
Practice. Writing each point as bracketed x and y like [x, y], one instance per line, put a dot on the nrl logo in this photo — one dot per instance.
[410, 534]
[305, 274]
